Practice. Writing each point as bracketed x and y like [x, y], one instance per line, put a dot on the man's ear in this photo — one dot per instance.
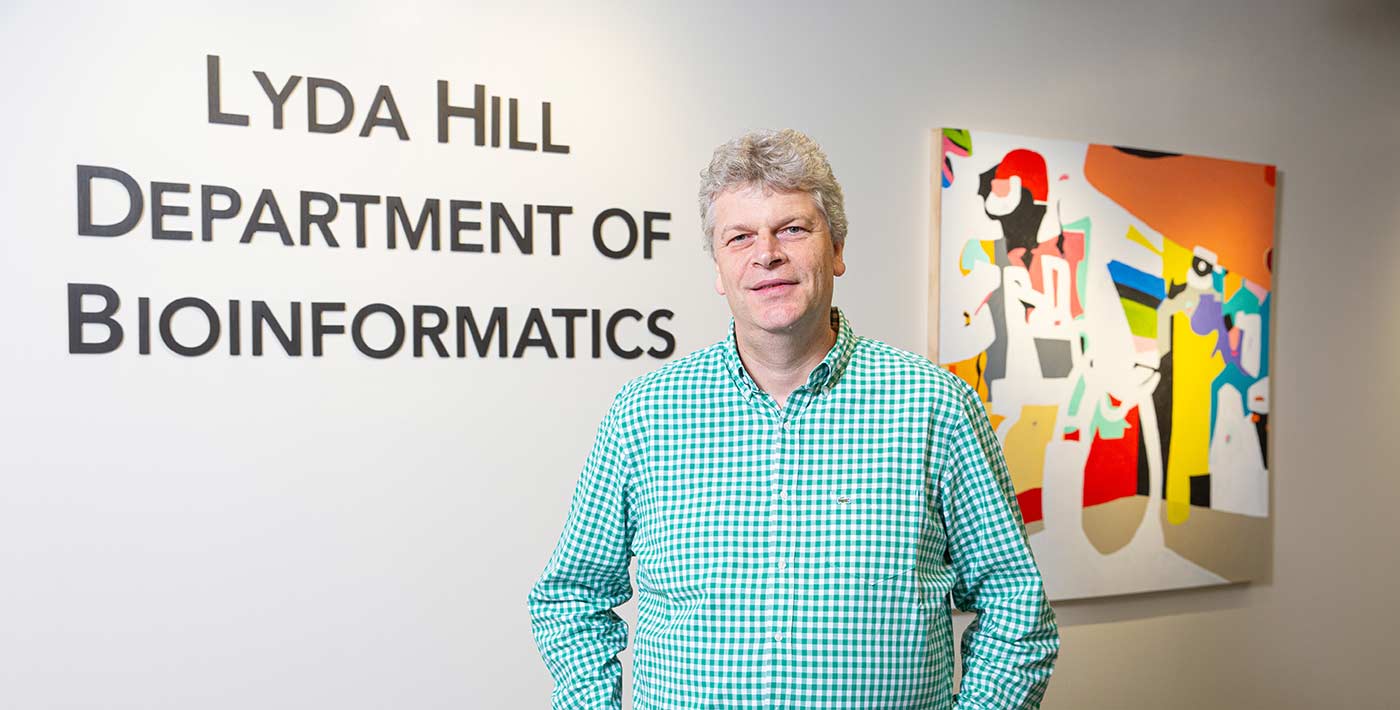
[719, 282]
[838, 263]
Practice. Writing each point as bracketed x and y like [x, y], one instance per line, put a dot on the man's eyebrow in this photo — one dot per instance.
[797, 218]
[786, 220]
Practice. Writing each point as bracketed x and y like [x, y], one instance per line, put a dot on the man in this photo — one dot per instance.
[802, 502]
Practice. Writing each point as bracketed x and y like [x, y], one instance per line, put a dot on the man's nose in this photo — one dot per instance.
[767, 250]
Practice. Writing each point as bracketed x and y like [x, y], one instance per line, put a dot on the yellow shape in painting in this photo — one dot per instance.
[990, 246]
[1176, 262]
[1135, 236]
[1025, 446]
[1195, 364]
[971, 371]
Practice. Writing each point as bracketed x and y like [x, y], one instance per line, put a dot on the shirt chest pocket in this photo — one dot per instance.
[873, 526]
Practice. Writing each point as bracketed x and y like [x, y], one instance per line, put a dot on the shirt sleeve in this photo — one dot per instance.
[1010, 648]
[571, 605]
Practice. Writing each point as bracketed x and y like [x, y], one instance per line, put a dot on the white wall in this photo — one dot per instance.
[226, 532]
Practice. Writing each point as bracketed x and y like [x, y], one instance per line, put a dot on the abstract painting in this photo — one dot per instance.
[1111, 307]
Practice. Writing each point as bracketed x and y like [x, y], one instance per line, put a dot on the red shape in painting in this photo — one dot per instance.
[1111, 472]
[1030, 505]
[1030, 167]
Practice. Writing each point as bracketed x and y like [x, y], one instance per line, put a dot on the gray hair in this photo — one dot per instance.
[784, 160]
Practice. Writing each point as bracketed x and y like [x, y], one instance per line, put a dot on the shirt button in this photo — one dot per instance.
[782, 495]
[782, 564]
[778, 636]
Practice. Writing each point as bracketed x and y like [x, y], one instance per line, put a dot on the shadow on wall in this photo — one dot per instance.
[1152, 605]
[1372, 20]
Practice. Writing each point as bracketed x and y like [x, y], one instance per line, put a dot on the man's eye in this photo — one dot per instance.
[793, 229]
[737, 238]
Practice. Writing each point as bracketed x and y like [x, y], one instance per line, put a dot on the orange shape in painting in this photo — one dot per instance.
[970, 370]
[1223, 205]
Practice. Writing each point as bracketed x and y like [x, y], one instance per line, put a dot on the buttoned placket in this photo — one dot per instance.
[776, 635]
[776, 523]
[782, 520]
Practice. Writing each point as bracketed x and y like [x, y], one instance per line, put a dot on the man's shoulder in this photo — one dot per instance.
[873, 351]
[879, 360]
[683, 374]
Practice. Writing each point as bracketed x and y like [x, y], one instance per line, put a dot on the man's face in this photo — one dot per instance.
[774, 259]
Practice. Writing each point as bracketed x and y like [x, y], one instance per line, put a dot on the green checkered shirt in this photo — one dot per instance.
[801, 556]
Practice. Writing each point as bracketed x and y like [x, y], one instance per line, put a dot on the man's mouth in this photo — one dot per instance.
[771, 286]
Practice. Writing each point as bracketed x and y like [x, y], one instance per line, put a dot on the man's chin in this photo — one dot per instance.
[780, 321]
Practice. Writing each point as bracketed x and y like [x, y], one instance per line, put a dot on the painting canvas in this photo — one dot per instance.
[1111, 306]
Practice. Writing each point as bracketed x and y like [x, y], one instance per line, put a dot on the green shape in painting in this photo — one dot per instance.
[960, 137]
[1142, 320]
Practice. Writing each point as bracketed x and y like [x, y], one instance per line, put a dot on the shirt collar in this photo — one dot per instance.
[823, 377]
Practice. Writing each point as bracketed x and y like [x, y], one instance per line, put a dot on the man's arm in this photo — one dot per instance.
[571, 606]
[1009, 649]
